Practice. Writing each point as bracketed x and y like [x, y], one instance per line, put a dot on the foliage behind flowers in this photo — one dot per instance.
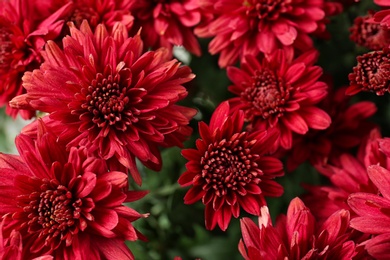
[268, 140]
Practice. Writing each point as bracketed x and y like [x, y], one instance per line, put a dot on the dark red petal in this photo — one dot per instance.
[86, 185]
[135, 195]
[378, 246]
[219, 116]
[193, 195]
[191, 154]
[250, 204]
[384, 145]
[112, 248]
[27, 151]
[237, 76]
[315, 118]
[336, 225]
[294, 72]
[295, 122]
[224, 217]
[187, 178]
[371, 225]
[210, 217]
[381, 178]
[367, 204]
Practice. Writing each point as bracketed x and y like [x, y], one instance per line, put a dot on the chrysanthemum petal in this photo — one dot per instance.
[381, 178]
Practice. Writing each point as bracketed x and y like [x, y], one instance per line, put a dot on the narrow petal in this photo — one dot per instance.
[381, 178]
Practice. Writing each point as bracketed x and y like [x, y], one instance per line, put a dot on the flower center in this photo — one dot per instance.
[107, 99]
[228, 166]
[85, 13]
[267, 9]
[267, 94]
[373, 71]
[53, 212]
[368, 34]
[5, 49]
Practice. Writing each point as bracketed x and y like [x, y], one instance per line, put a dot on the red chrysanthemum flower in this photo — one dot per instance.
[279, 92]
[368, 34]
[166, 23]
[65, 204]
[101, 91]
[373, 212]
[229, 168]
[250, 27]
[330, 8]
[373, 150]
[297, 237]
[349, 124]
[23, 32]
[371, 73]
[106, 12]
[347, 175]
[11, 247]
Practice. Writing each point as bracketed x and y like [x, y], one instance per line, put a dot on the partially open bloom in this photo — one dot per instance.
[372, 208]
[280, 92]
[11, 247]
[250, 27]
[371, 35]
[347, 175]
[65, 204]
[107, 12]
[297, 237]
[371, 73]
[23, 32]
[101, 91]
[374, 150]
[230, 169]
[349, 124]
[167, 23]
[373, 212]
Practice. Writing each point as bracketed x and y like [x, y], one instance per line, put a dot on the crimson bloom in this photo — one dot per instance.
[347, 175]
[371, 73]
[280, 92]
[349, 125]
[101, 91]
[368, 34]
[297, 237]
[11, 247]
[66, 204]
[229, 168]
[373, 209]
[23, 32]
[167, 23]
[107, 12]
[250, 27]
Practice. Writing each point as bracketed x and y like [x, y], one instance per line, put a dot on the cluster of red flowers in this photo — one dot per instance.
[107, 102]
[102, 81]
